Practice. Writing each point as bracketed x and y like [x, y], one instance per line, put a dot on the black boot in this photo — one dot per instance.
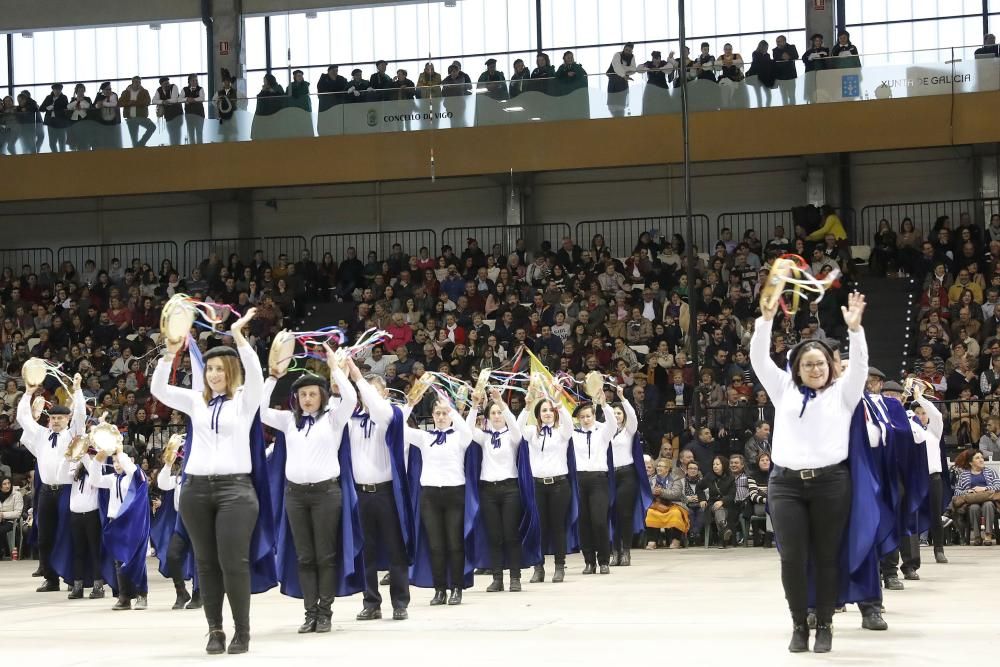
[872, 619]
[515, 581]
[824, 638]
[616, 558]
[240, 643]
[323, 624]
[38, 571]
[182, 597]
[626, 557]
[97, 592]
[50, 586]
[122, 604]
[497, 585]
[939, 556]
[195, 602]
[438, 598]
[309, 625]
[456, 596]
[604, 569]
[216, 641]
[77, 592]
[589, 568]
[560, 574]
[538, 576]
[800, 639]
[141, 602]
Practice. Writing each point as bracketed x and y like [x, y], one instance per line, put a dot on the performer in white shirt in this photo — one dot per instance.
[313, 429]
[178, 548]
[548, 443]
[442, 498]
[591, 440]
[168, 107]
[382, 502]
[219, 505]
[627, 481]
[85, 525]
[810, 489]
[48, 446]
[931, 419]
[499, 495]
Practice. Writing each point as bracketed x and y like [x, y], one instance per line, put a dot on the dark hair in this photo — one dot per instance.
[538, 410]
[725, 464]
[584, 406]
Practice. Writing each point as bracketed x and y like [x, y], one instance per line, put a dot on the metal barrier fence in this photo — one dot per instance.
[506, 236]
[147, 252]
[924, 215]
[411, 241]
[622, 235]
[197, 251]
[15, 258]
[765, 222]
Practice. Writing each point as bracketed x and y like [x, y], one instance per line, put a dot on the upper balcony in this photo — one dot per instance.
[277, 139]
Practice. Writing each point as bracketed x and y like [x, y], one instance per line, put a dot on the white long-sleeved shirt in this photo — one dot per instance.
[220, 441]
[118, 484]
[83, 496]
[591, 444]
[819, 437]
[369, 452]
[547, 446]
[174, 98]
[443, 452]
[165, 481]
[932, 435]
[499, 447]
[51, 455]
[621, 441]
[313, 448]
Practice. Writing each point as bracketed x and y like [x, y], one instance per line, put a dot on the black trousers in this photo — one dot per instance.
[809, 518]
[500, 503]
[47, 519]
[86, 532]
[126, 589]
[595, 542]
[553, 506]
[219, 512]
[936, 492]
[176, 552]
[442, 509]
[380, 522]
[625, 490]
[314, 516]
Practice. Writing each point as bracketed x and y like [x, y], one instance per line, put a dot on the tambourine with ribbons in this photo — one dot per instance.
[789, 278]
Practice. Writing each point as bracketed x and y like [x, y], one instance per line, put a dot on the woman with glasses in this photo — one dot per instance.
[809, 494]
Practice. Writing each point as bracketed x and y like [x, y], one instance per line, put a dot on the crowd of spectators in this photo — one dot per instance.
[630, 313]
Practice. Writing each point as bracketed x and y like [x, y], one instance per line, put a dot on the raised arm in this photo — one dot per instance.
[771, 377]
[279, 419]
[171, 396]
[527, 432]
[164, 480]
[415, 437]
[127, 464]
[462, 429]
[27, 422]
[935, 421]
[78, 423]
[857, 366]
[512, 424]
[631, 419]
[253, 376]
[478, 435]
[341, 414]
[96, 471]
[610, 426]
[565, 421]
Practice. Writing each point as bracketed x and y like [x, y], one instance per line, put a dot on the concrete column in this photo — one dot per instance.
[228, 49]
[816, 185]
[821, 18]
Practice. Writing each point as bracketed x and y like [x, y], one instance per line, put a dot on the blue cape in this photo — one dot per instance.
[351, 567]
[126, 537]
[529, 527]
[164, 524]
[643, 496]
[911, 469]
[420, 571]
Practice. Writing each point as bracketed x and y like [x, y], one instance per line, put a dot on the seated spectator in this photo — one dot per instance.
[759, 475]
[740, 506]
[989, 442]
[759, 444]
[668, 515]
[11, 507]
[965, 422]
[977, 482]
[692, 480]
[717, 496]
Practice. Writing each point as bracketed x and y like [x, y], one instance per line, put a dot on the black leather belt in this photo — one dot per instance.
[627, 466]
[805, 474]
[373, 488]
[316, 485]
[235, 477]
[550, 480]
[510, 481]
[52, 487]
[592, 473]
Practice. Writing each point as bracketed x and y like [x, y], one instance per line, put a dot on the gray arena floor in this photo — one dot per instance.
[691, 607]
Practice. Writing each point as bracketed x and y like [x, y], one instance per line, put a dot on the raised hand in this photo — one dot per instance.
[77, 382]
[854, 310]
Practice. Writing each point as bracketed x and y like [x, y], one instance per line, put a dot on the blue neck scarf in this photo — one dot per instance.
[546, 432]
[440, 436]
[216, 404]
[306, 422]
[54, 438]
[495, 437]
[366, 422]
[807, 394]
[589, 433]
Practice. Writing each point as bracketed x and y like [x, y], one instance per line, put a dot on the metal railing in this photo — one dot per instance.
[198, 250]
[765, 222]
[924, 215]
[33, 257]
[148, 252]
[621, 235]
[411, 241]
[506, 236]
